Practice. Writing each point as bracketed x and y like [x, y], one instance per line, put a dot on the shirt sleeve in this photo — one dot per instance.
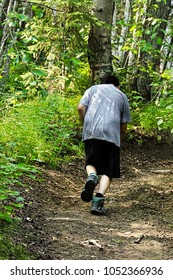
[85, 100]
[125, 116]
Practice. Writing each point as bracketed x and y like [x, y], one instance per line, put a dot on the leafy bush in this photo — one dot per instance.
[10, 200]
[158, 115]
[43, 130]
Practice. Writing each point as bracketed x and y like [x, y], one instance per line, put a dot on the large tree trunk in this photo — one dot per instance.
[99, 43]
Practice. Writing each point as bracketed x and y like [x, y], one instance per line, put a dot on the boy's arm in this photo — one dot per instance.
[81, 111]
[123, 129]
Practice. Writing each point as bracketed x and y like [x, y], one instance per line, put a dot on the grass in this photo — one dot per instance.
[44, 130]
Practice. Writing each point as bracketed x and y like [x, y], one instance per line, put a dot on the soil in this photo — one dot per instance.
[57, 225]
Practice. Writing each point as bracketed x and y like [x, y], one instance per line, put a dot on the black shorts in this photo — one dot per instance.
[104, 156]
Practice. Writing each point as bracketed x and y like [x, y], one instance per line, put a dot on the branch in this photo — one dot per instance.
[128, 66]
[41, 5]
[155, 96]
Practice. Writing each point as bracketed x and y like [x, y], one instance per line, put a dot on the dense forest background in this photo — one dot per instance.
[51, 51]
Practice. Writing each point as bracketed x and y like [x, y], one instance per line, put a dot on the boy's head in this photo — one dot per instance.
[110, 79]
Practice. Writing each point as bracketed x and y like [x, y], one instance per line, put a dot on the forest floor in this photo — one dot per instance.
[56, 224]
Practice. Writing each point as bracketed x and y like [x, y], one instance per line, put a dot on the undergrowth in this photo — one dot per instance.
[154, 118]
[9, 250]
[44, 130]
[11, 203]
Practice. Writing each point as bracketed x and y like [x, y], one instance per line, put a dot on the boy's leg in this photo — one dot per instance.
[104, 184]
[90, 169]
[90, 184]
[97, 207]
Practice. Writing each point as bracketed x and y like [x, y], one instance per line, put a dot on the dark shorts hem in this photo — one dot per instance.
[104, 156]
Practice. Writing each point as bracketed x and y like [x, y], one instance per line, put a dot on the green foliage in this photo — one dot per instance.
[47, 50]
[158, 115]
[50, 53]
[9, 250]
[43, 130]
[10, 200]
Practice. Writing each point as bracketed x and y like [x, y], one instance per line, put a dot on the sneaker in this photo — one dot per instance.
[89, 188]
[97, 207]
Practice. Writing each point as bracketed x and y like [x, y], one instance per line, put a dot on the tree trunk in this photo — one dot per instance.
[125, 29]
[8, 35]
[150, 60]
[6, 30]
[99, 43]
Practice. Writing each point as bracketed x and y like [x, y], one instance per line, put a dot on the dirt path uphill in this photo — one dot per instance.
[56, 224]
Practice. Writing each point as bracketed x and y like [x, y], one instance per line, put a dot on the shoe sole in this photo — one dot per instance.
[98, 213]
[87, 193]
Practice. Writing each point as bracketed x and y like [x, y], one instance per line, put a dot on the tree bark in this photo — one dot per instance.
[152, 59]
[127, 17]
[99, 43]
[3, 10]
[5, 31]
[8, 35]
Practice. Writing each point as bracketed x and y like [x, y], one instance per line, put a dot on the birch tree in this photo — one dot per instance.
[124, 31]
[99, 43]
[6, 8]
[143, 38]
[10, 25]
[154, 27]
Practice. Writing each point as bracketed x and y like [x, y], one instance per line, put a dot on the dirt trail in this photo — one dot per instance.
[139, 222]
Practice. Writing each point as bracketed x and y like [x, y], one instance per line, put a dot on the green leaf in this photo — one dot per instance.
[20, 199]
[154, 21]
[31, 176]
[67, 83]
[8, 208]
[40, 72]
[26, 58]
[147, 31]
[159, 41]
[160, 122]
[169, 106]
[75, 61]
[17, 205]
[40, 14]
[3, 197]
[154, 35]
[22, 17]
[6, 217]
[15, 193]
[37, 11]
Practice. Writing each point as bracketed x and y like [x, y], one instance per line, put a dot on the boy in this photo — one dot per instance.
[104, 110]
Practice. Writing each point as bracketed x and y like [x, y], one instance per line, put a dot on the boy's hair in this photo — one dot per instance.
[110, 79]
